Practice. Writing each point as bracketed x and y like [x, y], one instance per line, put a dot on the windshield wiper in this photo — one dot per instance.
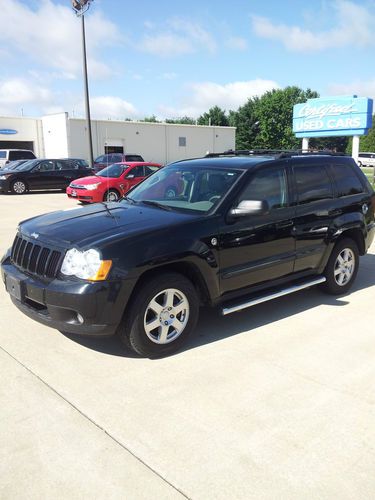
[156, 204]
[127, 198]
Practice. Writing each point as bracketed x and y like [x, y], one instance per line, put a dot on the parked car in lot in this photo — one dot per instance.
[366, 159]
[241, 230]
[41, 174]
[8, 155]
[111, 183]
[108, 159]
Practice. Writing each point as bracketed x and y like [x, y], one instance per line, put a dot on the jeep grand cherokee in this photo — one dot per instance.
[240, 229]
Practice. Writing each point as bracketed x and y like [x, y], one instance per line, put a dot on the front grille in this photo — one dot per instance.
[77, 186]
[34, 258]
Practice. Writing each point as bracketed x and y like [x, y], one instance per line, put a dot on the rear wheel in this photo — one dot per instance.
[342, 267]
[161, 316]
[111, 195]
[18, 187]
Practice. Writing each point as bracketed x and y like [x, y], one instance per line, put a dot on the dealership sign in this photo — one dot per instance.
[333, 116]
[7, 131]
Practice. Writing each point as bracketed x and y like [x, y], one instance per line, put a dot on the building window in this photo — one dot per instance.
[182, 141]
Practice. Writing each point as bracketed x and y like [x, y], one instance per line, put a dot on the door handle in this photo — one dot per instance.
[319, 230]
[284, 224]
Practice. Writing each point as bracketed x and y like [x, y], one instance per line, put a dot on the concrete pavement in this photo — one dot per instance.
[274, 402]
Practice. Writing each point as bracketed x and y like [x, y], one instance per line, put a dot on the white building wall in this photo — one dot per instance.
[158, 142]
[58, 136]
[28, 129]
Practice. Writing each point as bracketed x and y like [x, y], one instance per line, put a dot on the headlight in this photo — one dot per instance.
[4, 177]
[86, 265]
[91, 187]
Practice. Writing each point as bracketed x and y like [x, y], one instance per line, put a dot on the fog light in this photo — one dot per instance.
[80, 318]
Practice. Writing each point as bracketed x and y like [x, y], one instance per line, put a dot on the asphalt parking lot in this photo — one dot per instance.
[274, 402]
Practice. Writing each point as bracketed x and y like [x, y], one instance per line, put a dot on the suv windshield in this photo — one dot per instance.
[185, 187]
[114, 170]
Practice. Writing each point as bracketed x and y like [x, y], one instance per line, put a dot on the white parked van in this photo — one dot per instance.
[7, 155]
[366, 159]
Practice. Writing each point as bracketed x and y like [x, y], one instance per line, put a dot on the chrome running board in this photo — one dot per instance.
[275, 295]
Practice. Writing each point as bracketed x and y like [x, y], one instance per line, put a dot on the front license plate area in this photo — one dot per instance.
[74, 193]
[14, 287]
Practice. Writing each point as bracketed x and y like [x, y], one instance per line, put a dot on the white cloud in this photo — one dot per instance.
[353, 27]
[357, 87]
[17, 93]
[180, 37]
[112, 107]
[203, 96]
[51, 36]
[236, 43]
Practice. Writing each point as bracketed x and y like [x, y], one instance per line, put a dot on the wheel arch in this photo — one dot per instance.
[357, 236]
[111, 189]
[186, 269]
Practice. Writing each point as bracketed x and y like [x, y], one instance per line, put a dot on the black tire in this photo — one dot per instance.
[18, 187]
[175, 327]
[345, 269]
[111, 195]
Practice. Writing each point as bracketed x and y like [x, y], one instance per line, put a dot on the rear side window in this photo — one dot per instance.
[3, 154]
[21, 155]
[346, 180]
[313, 184]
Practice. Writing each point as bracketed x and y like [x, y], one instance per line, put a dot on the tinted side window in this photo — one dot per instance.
[100, 159]
[313, 183]
[149, 169]
[268, 185]
[46, 166]
[346, 180]
[137, 172]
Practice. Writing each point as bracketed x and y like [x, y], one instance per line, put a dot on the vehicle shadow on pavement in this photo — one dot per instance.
[213, 327]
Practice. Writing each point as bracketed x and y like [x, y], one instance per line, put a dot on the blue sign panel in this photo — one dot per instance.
[7, 131]
[333, 116]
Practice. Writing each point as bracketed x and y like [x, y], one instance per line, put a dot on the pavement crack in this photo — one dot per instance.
[96, 424]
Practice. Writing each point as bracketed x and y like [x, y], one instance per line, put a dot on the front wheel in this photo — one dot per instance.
[18, 187]
[161, 316]
[111, 195]
[342, 267]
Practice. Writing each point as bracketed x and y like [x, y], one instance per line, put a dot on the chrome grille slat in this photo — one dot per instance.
[35, 258]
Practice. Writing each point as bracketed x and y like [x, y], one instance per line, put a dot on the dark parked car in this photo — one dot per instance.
[108, 159]
[240, 230]
[41, 174]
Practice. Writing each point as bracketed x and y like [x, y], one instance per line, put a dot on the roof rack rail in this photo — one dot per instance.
[279, 153]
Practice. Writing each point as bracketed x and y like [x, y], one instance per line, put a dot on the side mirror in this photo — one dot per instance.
[249, 207]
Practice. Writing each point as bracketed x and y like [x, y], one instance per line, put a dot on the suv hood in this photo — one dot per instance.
[91, 225]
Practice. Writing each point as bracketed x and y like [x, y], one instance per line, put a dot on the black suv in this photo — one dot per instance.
[42, 174]
[239, 230]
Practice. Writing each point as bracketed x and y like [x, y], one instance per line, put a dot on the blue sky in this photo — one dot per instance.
[171, 59]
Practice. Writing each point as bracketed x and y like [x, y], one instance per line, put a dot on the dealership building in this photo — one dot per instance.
[60, 136]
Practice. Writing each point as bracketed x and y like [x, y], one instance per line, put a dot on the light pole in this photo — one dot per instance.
[80, 7]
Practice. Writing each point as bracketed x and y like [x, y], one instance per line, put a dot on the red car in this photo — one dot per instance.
[111, 183]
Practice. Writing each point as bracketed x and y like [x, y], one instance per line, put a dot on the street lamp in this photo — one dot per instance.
[80, 7]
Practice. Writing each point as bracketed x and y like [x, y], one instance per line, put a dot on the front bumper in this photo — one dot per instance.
[4, 185]
[78, 307]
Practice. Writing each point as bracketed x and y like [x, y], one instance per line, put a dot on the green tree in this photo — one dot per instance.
[215, 116]
[151, 119]
[274, 112]
[184, 120]
[247, 124]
